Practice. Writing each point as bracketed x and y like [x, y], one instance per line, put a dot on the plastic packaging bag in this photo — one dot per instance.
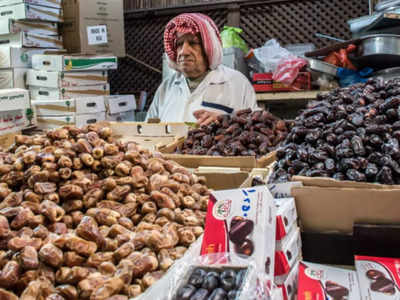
[288, 69]
[237, 275]
[271, 54]
[230, 38]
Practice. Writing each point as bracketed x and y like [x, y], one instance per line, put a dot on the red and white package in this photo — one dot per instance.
[289, 287]
[286, 216]
[242, 222]
[287, 255]
[326, 283]
[379, 277]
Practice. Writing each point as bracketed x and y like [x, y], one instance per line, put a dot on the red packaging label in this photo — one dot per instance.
[242, 222]
[379, 277]
[319, 282]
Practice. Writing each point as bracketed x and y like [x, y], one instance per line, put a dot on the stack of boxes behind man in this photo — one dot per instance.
[69, 90]
[26, 27]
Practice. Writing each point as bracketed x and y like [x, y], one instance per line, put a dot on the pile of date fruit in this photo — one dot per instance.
[351, 133]
[85, 217]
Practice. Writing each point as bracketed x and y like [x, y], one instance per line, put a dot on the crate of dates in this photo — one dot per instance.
[242, 223]
[214, 277]
[324, 282]
[378, 277]
[245, 139]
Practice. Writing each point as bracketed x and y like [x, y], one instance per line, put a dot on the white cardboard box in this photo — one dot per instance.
[13, 78]
[8, 26]
[286, 216]
[14, 57]
[51, 122]
[13, 99]
[120, 108]
[42, 93]
[49, 3]
[74, 63]
[25, 39]
[23, 10]
[79, 106]
[66, 79]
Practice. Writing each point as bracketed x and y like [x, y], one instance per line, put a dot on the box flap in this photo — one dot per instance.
[120, 103]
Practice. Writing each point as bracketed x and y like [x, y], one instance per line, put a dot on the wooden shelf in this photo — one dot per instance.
[307, 95]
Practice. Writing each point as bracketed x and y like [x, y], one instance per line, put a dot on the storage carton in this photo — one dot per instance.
[26, 39]
[73, 63]
[328, 205]
[8, 26]
[65, 79]
[70, 107]
[14, 57]
[378, 277]
[289, 287]
[195, 161]
[286, 216]
[79, 32]
[52, 122]
[13, 78]
[14, 99]
[329, 283]
[49, 3]
[288, 252]
[242, 222]
[149, 136]
[42, 93]
[23, 10]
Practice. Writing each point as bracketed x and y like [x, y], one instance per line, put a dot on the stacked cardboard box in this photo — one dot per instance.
[26, 27]
[288, 239]
[69, 89]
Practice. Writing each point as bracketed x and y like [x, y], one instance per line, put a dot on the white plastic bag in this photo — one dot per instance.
[271, 54]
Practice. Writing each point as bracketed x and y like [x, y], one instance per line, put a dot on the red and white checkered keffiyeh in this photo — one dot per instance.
[194, 23]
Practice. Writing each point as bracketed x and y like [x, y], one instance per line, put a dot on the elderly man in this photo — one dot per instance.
[202, 88]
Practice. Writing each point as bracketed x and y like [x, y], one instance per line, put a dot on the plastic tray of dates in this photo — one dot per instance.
[212, 283]
[351, 134]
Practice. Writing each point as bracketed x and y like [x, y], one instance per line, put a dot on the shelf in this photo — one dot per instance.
[307, 95]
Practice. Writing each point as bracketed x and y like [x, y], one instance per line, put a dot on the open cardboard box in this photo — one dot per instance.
[148, 135]
[327, 205]
[195, 161]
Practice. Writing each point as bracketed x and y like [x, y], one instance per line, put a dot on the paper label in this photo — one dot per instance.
[97, 34]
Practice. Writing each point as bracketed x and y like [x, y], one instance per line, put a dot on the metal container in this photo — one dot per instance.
[387, 74]
[380, 51]
[321, 66]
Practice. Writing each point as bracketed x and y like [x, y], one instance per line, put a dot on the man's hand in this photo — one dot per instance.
[205, 117]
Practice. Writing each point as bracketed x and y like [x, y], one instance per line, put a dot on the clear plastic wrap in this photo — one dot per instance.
[233, 275]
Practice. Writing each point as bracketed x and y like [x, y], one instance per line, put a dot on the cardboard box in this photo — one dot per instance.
[26, 39]
[8, 26]
[52, 122]
[70, 107]
[289, 287]
[378, 277]
[287, 253]
[286, 216]
[14, 57]
[43, 93]
[329, 283]
[65, 79]
[74, 63]
[82, 15]
[242, 221]
[14, 99]
[23, 10]
[49, 3]
[148, 135]
[328, 205]
[13, 78]
[195, 161]
[263, 82]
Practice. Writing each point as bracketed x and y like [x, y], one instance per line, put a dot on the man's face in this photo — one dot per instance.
[191, 59]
